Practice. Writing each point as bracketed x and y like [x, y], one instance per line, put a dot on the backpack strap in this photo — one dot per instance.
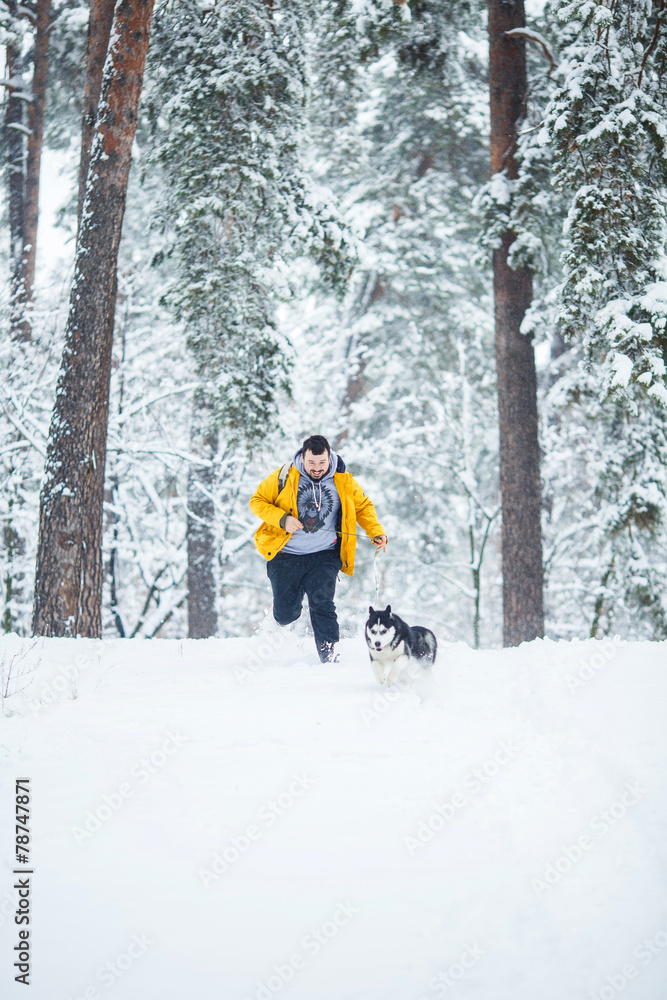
[283, 474]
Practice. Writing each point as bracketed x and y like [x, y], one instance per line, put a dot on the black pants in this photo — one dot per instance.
[313, 574]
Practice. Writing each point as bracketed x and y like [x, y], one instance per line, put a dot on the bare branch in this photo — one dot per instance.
[534, 36]
[155, 399]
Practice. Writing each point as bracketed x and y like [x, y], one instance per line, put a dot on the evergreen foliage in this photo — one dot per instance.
[607, 124]
[227, 105]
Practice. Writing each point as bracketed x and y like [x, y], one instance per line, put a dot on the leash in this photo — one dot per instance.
[352, 534]
[355, 534]
[376, 573]
[377, 577]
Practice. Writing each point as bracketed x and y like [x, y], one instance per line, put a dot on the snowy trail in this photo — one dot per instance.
[227, 820]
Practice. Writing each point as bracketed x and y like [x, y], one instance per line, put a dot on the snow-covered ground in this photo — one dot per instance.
[230, 819]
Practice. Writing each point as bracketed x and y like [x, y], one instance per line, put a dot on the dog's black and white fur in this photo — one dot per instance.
[392, 643]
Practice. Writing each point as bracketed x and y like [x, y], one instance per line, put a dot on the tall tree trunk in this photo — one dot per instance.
[202, 613]
[15, 134]
[100, 17]
[36, 140]
[515, 359]
[68, 584]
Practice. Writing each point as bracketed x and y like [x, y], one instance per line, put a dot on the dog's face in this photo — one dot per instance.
[380, 629]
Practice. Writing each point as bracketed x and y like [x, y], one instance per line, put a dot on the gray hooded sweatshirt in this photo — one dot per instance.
[318, 506]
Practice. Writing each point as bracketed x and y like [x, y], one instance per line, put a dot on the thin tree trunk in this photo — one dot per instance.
[112, 568]
[36, 141]
[202, 613]
[476, 582]
[14, 577]
[517, 383]
[600, 599]
[15, 133]
[111, 496]
[100, 18]
[68, 584]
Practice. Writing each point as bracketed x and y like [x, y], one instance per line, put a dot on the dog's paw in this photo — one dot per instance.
[379, 674]
[396, 669]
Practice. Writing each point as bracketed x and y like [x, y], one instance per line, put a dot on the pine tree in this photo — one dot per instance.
[607, 124]
[68, 584]
[517, 380]
[227, 135]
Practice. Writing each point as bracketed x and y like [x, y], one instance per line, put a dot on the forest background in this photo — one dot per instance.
[308, 247]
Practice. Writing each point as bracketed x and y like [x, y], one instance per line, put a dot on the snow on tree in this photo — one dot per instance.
[228, 103]
[607, 126]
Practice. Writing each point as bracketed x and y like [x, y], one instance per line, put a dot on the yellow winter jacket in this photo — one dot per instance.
[270, 506]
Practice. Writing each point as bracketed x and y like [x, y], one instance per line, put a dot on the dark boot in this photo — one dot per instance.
[327, 652]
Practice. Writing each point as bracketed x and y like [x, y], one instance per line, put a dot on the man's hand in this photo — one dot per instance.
[380, 542]
[292, 524]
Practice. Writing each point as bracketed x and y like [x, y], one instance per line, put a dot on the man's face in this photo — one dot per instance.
[316, 465]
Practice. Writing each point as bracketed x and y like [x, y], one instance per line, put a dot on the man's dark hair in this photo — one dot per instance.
[316, 445]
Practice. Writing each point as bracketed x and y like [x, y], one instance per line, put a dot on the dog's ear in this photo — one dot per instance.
[371, 611]
[387, 610]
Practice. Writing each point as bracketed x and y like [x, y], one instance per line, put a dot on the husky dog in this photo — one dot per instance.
[391, 642]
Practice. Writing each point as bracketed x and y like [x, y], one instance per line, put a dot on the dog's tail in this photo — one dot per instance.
[427, 645]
